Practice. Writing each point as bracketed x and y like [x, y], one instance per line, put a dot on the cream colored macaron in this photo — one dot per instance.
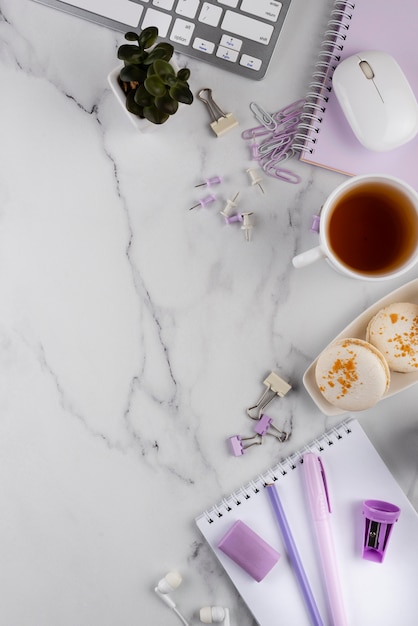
[394, 331]
[352, 374]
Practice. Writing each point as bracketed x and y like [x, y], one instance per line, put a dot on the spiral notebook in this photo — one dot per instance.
[357, 26]
[374, 593]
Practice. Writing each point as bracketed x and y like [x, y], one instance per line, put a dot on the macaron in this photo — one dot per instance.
[394, 331]
[352, 374]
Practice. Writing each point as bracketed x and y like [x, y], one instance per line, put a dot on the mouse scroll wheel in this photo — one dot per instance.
[366, 69]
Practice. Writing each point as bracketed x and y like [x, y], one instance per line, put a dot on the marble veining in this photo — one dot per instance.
[134, 333]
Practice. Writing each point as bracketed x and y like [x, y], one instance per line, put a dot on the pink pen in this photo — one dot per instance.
[318, 498]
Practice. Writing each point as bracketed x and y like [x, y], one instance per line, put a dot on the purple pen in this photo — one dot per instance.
[319, 504]
[293, 553]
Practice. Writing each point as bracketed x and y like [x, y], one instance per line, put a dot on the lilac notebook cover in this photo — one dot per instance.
[374, 25]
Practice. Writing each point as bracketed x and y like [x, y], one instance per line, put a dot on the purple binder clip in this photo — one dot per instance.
[263, 426]
[378, 524]
[239, 445]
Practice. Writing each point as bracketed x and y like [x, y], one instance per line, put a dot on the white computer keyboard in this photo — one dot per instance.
[237, 35]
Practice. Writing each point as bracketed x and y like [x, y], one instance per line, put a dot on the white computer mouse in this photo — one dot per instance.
[376, 99]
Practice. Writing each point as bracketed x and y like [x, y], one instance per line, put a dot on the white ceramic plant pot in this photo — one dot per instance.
[139, 123]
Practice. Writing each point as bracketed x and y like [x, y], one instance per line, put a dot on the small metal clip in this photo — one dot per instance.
[222, 122]
[238, 447]
[263, 117]
[276, 386]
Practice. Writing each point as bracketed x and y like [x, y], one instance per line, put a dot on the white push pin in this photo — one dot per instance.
[215, 180]
[247, 225]
[229, 206]
[255, 177]
[204, 201]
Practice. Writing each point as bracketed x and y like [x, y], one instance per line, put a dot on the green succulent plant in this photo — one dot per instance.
[153, 88]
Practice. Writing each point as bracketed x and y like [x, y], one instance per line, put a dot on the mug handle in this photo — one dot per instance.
[308, 257]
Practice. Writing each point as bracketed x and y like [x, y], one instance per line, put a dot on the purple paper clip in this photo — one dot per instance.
[238, 447]
[378, 524]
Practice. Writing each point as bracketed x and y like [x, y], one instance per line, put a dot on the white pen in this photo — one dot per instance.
[318, 497]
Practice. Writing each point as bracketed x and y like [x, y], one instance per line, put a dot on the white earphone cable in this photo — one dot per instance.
[184, 621]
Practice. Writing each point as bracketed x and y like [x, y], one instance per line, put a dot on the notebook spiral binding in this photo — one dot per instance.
[275, 473]
[320, 86]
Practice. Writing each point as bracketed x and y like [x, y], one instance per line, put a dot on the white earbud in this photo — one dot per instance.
[169, 583]
[211, 614]
[166, 585]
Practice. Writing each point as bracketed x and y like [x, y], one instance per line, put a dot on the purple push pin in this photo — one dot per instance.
[316, 219]
[231, 219]
[215, 180]
[204, 201]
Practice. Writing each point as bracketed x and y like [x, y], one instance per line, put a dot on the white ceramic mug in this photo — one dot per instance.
[368, 228]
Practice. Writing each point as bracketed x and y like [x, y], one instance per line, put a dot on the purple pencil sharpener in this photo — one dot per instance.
[379, 518]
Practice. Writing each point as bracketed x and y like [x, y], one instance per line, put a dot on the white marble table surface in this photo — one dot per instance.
[134, 333]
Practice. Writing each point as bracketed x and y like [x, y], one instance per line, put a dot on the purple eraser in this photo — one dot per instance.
[249, 550]
[379, 518]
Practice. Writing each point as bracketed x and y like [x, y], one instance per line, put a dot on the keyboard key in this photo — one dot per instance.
[156, 18]
[163, 4]
[268, 9]
[123, 11]
[232, 43]
[182, 32]
[187, 8]
[229, 3]
[203, 45]
[247, 27]
[226, 55]
[251, 62]
[210, 14]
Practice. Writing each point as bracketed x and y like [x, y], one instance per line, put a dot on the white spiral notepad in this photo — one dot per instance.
[374, 593]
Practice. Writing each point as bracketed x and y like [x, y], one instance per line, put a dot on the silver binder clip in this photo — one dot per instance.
[276, 386]
[222, 122]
